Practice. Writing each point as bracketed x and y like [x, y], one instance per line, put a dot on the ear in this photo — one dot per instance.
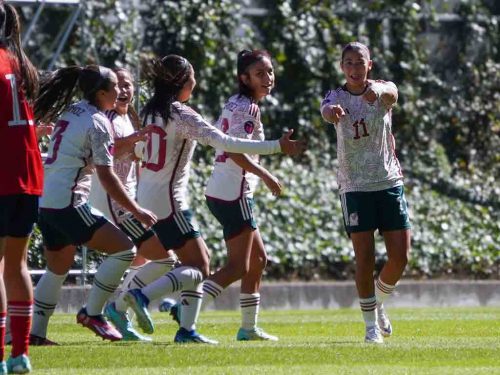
[370, 65]
[245, 78]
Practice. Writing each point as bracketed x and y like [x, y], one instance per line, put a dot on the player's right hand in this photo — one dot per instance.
[146, 217]
[273, 184]
[291, 147]
[333, 113]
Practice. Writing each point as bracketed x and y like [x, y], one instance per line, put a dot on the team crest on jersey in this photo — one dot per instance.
[353, 219]
[248, 126]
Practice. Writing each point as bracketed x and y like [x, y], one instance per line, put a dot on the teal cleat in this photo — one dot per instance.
[19, 365]
[139, 303]
[123, 324]
[183, 336]
[256, 334]
[175, 313]
[3, 368]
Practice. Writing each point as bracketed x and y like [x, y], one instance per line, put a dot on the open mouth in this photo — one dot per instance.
[122, 99]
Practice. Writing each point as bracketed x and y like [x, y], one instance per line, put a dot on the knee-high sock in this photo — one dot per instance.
[383, 291]
[211, 290]
[249, 304]
[107, 279]
[368, 308]
[20, 323]
[181, 278]
[190, 306]
[144, 276]
[47, 294]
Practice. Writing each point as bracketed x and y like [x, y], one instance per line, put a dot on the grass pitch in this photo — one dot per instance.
[425, 341]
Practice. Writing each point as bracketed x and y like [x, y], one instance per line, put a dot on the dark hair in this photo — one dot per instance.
[168, 76]
[132, 113]
[59, 87]
[356, 46]
[247, 58]
[10, 39]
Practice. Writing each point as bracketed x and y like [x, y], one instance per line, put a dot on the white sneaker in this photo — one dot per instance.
[384, 322]
[373, 335]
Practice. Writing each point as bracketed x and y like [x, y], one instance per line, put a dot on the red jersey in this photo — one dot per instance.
[21, 169]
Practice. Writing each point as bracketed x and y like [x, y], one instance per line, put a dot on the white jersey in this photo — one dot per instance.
[124, 167]
[80, 140]
[165, 173]
[365, 144]
[240, 118]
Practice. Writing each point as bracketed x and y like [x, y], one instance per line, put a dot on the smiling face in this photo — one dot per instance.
[126, 91]
[259, 78]
[356, 66]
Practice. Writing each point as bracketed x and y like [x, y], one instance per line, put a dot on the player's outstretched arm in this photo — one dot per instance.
[385, 91]
[290, 146]
[332, 113]
[113, 186]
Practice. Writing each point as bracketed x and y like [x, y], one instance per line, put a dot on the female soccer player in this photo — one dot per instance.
[370, 182]
[81, 142]
[230, 192]
[21, 175]
[125, 135]
[174, 130]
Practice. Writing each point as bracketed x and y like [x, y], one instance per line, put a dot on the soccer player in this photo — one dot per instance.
[230, 190]
[174, 130]
[21, 176]
[81, 143]
[125, 136]
[370, 182]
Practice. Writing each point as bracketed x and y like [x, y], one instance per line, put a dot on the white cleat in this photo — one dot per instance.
[373, 335]
[384, 322]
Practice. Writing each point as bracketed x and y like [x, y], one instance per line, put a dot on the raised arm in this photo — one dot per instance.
[385, 91]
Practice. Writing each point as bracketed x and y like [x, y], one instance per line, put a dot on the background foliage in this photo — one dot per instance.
[446, 124]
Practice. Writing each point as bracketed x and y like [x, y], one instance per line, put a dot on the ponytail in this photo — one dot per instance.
[10, 37]
[167, 76]
[56, 92]
[59, 88]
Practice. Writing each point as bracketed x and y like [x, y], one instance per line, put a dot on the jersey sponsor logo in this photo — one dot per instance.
[249, 126]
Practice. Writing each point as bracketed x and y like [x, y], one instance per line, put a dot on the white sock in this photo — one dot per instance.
[249, 304]
[383, 291]
[190, 306]
[180, 278]
[144, 276]
[368, 308]
[211, 290]
[132, 271]
[107, 279]
[46, 297]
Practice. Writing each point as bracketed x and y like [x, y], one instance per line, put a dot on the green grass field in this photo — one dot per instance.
[425, 341]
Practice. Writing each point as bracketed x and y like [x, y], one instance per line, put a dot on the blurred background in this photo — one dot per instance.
[442, 55]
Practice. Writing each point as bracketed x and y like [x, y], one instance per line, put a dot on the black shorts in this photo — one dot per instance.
[18, 213]
[176, 229]
[234, 216]
[134, 229]
[69, 226]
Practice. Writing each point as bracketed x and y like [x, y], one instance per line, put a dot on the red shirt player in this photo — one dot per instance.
[20, 187]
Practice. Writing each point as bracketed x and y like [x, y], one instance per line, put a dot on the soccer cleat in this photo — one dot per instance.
[254, 334]
[98, 324]
[19, 365]
[123, 324]
[3, 368]
[384, 322]
[175, 313]
[166, 304]
[184, 336]
[41, 341]
[373, 335]
[139, 303]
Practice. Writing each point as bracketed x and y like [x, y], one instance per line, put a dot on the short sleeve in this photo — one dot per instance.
[101, 141]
